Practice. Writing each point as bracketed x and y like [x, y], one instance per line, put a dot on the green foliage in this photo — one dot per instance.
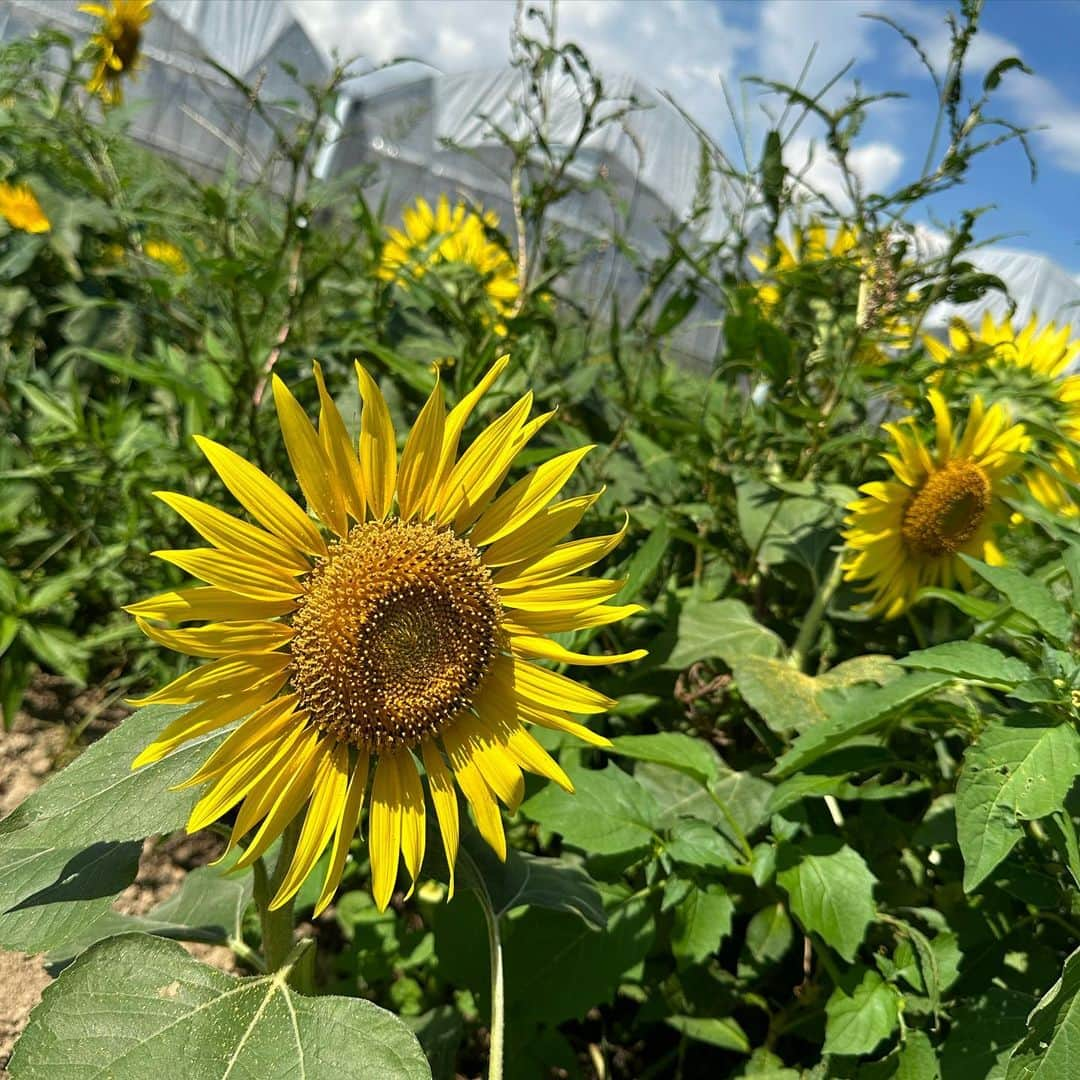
[824, 844]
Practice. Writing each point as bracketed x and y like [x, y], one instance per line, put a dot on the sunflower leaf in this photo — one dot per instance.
[1028, 597]
[133, 1006]
[74, 844]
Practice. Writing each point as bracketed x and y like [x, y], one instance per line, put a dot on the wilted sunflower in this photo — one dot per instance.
[116, 43]
[408, 630]
[457, 236]
[945, 500]
[1030, 369]
[21, 210]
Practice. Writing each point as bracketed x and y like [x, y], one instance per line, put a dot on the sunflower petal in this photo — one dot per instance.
[263, 499]
[346, 829]
[534, 647]
[384, 830]
[221, 639]
[378, 448]
[339, 450]
[444, 797]
[228, 570]
[537, 537]
[476, 791]
[195, 605]
[413, 833]
[420, 458]
[309, 460]
[229, 675]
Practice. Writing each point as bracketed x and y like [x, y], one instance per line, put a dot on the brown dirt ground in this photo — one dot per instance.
[41, 741]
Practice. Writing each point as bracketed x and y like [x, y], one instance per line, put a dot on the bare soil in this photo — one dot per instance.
[46, 735]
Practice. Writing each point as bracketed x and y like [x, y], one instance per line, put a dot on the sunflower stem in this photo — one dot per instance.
[277, 925]
[498, 1019]
[808, 631]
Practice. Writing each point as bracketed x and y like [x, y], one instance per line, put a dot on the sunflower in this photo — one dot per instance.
[21, 210]
[456, 236]
[945, 500]
[1030, 369]
[808, 245]
[169, 255]
[116, 44]
[406, 630]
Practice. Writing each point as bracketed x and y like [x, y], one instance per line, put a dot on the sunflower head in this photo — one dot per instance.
[944, 500]
[1028, 370]
[166, 253]
[21, 210]
[453, 236]
[395, 631]
[116, 43]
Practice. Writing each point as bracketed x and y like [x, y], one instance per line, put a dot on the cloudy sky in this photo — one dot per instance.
[689, 47]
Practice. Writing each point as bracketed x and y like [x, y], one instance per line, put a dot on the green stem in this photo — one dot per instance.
[498, 1019]
[277, 925]
[808, 631]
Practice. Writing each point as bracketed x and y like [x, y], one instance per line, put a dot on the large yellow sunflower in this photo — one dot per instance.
[457, 236]
[401, 626]
[21, 210]
[945, 500]
[116, 44]
[1031, 370]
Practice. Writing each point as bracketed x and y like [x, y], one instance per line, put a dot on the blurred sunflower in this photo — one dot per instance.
[1030, 370]
[410, 631]
[169, 255]
[869, 284]
[907, 532]
[457, 236]
[116, 45]
[21, 210]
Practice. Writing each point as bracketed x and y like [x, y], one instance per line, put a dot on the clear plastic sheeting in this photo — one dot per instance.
[426, 134]
[183, 105]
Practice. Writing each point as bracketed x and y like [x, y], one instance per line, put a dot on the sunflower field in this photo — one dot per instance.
[543, 701]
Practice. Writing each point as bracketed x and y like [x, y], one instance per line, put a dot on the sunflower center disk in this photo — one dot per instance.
[395, 631]
[945, 514]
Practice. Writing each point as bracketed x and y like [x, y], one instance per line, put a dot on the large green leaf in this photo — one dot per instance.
[1017, 770]
[137, 1006]
[608, 813]
[695, 757]
[702, 921]
[73, 845]
[724, 1032]
[719, 630]
[863, 710]
[1028, 597]
[982, 1032]
[830, 889]
[970, 660]
[861, 1017]
[1051, 1048]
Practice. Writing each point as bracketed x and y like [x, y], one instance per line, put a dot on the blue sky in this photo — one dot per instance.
[688, 46]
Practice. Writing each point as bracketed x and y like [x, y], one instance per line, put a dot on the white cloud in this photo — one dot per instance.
[927, 23]
[682, 46]
[1042, 105]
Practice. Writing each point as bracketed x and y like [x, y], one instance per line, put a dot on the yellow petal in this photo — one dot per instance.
[229, 675]
[263, 726]
[476, 791]
[555, 622]
[194, 605]
[573, 594]
[537, 537]
[378, 448]
[309, 460]
[412, 814]
[538, 686]
[420, 458]
[221, 639]
[228, 570]
[324, 811]
[530, 646]
[292, 789]
[346, 829]
[532, 756]
[443, 795]
[523, 501]
[231, 534]
[384, 830]
[263, 499]
[209, 716]
[459, 414]
[339, 450]
[564, 560]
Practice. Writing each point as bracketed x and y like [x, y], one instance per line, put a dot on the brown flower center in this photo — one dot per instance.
[945, 513]
[395, 631]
